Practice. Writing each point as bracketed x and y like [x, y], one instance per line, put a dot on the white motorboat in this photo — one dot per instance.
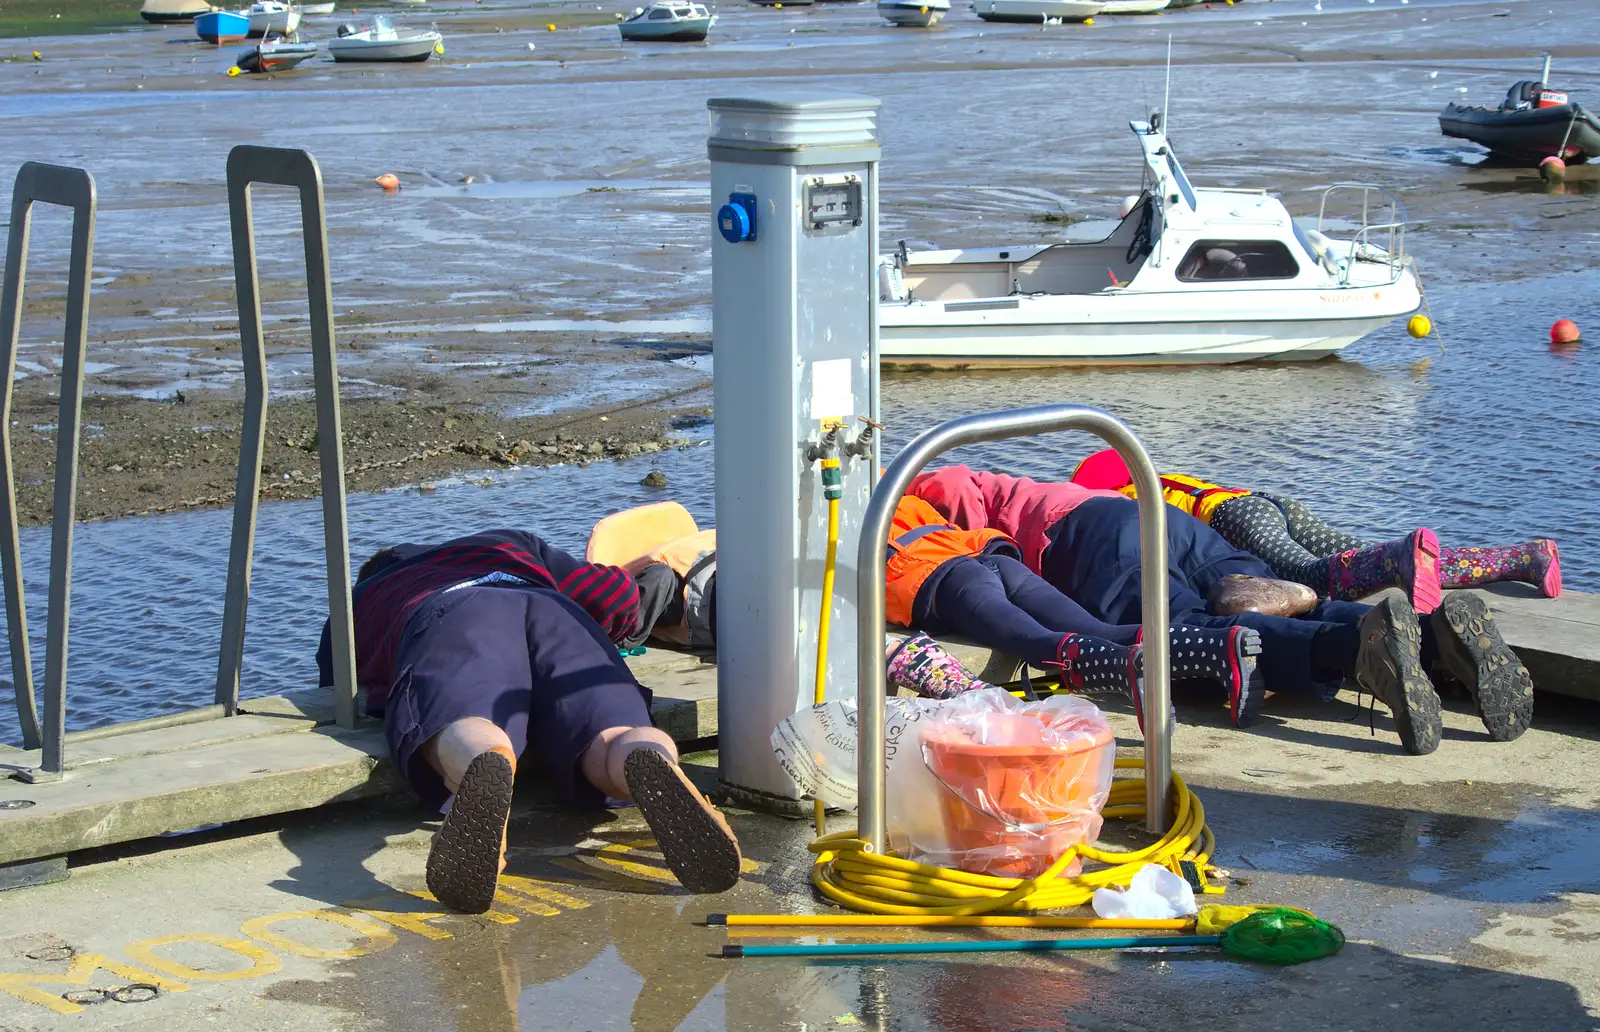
[384, 42]
[1125, 6]
[913, 13]
[667, 22]
[272, 16]
[1040, 11]
[1188, 276]
[316, 8]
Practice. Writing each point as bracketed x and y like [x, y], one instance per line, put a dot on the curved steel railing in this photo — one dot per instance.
[995, 426]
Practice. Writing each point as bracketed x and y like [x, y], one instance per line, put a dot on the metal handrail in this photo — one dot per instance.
[248, 165]
[870, 605]
[1395, 226]
[70, 188]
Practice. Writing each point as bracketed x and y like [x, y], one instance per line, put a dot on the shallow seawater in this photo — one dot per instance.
[1491, 437]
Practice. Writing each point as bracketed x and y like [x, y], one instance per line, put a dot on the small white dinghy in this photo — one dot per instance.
[384, 42]
[272, 16]
[1126, 6]
[917, 14]
[1037, 11]
[316, 8]
[667, 22]
[1188, 276]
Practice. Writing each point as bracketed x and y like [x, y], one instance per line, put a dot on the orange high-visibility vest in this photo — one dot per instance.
[921, 541]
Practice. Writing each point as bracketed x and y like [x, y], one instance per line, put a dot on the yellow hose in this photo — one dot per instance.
[877, 883]
[824, 623]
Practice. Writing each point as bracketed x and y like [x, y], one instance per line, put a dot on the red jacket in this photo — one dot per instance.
[1023, 509]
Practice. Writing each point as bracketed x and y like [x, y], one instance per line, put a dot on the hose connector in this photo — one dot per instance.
[832, 479]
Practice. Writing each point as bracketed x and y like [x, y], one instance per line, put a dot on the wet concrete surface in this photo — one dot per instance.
[1464, 882]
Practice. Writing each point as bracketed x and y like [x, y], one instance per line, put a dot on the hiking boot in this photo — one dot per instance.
[1389, 666]
[1472, 651]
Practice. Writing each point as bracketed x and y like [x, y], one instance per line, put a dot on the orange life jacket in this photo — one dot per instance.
[921, 541]
[694, 560]
[1198, 498]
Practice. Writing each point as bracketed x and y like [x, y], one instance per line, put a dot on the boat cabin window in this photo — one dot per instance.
[1237, 259]
[660, 14]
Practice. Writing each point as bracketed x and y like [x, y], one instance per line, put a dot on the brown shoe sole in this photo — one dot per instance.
[464, 861]
[696, 841]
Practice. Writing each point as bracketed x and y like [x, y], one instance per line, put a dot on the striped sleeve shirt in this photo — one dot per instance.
[384, 602]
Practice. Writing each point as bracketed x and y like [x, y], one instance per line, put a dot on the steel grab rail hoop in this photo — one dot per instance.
[871, 627]
[70, 188]
[248, 165]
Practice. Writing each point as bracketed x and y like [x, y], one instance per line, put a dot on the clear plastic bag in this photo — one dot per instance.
[983, 781]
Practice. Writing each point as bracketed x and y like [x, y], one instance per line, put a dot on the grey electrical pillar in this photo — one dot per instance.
[795, 313]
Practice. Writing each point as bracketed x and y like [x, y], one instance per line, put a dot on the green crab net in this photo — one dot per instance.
[1282, 936]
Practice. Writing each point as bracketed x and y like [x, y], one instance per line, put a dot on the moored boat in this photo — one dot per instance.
[1532, 123]
[275, 55]
[221, 26]
[1037, 11]
[668, 22]
[1187, 276]
[272, 16]
[1133, 6]
[913, 13]
[323, 8]
[384, 42]
[163, 12]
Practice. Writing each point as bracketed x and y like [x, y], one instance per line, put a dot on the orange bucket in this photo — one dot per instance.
[1011, 810]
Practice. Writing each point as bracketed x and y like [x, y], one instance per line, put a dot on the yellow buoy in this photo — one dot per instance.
[235, 70]
[438, 48]
[1088, 21]
[1419, 326]
[550, 26]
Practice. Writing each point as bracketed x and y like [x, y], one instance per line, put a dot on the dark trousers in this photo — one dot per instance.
[1094, 558]
[528, 659]
[997, 601]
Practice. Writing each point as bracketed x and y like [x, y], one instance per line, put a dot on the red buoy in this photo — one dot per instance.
[1552, 168]
[1565, 331]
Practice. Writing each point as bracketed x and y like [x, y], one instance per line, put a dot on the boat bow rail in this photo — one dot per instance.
[1377, 203]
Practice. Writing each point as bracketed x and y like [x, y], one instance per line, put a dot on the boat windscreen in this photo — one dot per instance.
[381, 25]
[1181, 179]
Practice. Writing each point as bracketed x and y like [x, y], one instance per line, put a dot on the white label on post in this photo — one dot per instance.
[831, 397]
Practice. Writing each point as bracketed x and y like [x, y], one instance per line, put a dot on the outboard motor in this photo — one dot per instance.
[347, 29]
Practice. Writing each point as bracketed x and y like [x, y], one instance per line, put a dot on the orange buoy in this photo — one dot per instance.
[1565, 331]
[1552, 168]
[389, 181]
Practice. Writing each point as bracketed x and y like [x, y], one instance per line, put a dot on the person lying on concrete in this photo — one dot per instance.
[475, 651]
[941, 579]
[1300, 547]
[1092, 555]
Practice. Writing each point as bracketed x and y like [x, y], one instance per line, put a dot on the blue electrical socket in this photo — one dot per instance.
[736, 220]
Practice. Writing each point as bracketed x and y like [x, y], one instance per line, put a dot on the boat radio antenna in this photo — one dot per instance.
[1544, 76]
[1166, 96]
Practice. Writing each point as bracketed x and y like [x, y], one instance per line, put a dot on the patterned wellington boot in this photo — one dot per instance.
[1411, 564]
[1094, 666]
[1223, 654]
[1537, 562]
[923, 665]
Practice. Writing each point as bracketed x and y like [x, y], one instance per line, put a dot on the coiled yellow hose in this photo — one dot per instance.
[876, 883]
